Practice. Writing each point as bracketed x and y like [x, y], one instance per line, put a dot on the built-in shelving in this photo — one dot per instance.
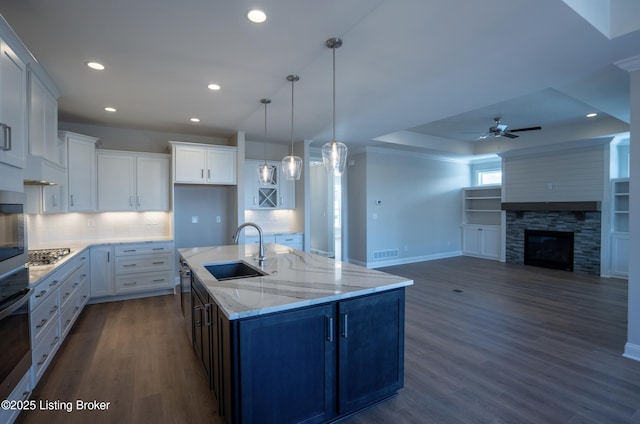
[620, 203]
[482, 205]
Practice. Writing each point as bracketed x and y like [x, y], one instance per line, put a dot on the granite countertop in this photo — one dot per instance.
[38, 272]
[295, 279]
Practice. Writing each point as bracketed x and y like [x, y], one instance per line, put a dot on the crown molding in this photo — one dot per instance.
[630, 64]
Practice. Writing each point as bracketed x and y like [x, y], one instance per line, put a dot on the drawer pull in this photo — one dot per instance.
[158, 248]
[42, 293]
[55, 308]
[158, 280]
[133, 283]
[129, 250]
[53, 283]
[158, 263]
[128, 265]
[43, 360]
[42, 323]
[77, 308]
[67, 323]
[53, 343]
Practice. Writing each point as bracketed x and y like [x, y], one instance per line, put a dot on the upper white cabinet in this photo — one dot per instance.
[81, 167]
[279, 193]
[13, 101]
[43, 121]
[131, 181]
[195, 163]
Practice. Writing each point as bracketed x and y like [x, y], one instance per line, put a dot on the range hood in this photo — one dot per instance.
[41, 171]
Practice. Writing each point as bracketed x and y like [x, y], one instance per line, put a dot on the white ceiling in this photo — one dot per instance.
[411, 74]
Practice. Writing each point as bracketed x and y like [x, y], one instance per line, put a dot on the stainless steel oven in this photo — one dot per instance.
[13, 234]
[15, 338]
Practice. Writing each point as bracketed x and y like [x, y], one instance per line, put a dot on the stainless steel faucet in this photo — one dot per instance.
[257, 227]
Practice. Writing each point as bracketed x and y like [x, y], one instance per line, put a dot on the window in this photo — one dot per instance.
[489, 177]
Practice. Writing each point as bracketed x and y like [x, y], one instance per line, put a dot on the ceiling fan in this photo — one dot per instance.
[500, 130]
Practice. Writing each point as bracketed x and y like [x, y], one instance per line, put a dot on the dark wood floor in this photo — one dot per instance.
[486, 342]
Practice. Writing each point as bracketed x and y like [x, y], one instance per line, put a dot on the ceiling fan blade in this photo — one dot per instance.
[526, 129]
[509, 135]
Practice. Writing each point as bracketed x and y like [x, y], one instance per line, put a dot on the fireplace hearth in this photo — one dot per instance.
[549, 249]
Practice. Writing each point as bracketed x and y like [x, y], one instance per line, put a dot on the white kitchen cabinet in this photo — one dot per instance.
[102, 282]
[43, 121]
[13, 104]
[56, 303]
[143, 267]
[195, 163]
[482, 241]
[620, 255]
[279, 193]
[81, 171]
[620, 228]
[293, 240]
[129, 181]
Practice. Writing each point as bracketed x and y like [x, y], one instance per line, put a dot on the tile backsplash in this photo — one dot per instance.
[45, 230]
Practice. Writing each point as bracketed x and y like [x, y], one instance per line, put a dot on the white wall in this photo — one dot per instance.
[135, 140]
[419, 210]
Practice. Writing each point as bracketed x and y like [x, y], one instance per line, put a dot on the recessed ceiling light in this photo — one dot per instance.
[95, 65]
[256, 16]
[110, 109]
[591, 115]
[194, 120]
[214, 87]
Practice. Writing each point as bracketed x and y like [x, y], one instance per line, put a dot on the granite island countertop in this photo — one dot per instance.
[295, 279]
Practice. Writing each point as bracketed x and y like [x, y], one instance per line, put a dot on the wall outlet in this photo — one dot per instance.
[218, 220]
[90, 223]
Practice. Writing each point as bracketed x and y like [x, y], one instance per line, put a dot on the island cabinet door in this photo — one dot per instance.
[288, 367]
[371, 349]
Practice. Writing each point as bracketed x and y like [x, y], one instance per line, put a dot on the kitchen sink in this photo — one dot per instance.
[233, 270]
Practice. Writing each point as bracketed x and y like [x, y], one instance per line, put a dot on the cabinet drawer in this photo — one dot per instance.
[256, 239]
[143, 263]
[71, 284]
[44, 351]
[68, 314]
[142, 282]
[143, 249]
[43, 316]
[291, 240]
[43, 290]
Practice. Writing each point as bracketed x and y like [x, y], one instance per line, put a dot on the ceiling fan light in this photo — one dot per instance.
[334, 157]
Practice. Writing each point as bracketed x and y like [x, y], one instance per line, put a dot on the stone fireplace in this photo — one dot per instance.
[583, 219]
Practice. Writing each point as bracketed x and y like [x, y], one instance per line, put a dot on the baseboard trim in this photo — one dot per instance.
[403, 261]
[632, 351]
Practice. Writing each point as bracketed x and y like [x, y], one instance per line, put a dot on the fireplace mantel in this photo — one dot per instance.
[552, 206]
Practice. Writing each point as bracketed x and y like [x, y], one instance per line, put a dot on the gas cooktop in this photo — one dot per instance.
[47, 256]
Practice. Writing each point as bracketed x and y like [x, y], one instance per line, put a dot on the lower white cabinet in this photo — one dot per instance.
[143, 267]
[293, 240]
[55, 305]
[102, 283]
[482, 241]
[620, 255]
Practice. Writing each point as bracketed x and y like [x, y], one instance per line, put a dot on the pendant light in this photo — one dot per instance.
[265, 171]
[292, 165]
[334, 154]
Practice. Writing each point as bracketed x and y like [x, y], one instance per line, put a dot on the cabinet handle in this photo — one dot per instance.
[329, 321]
[53, 283]
[208, 173]
[131, 201]
[42, 293]
[108, 256]
[54, 200]
[6, 134]
[207, 317]
[202, 173]
[55, 308]
[128, 265]
[158, 248]
[133, 283]
[139, 200]
[53, 343]
[71, 200]
[129, 250]
[158, 263]
[43, 360]
[254, 200]
[42, 323]
[345, 321]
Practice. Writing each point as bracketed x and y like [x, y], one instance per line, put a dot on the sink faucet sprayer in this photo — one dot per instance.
[257, 227]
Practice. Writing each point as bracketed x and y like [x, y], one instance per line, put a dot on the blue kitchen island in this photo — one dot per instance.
[306, 340]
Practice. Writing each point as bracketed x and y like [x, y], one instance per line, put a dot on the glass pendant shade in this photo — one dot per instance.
[265, 174]
[265, 171]
[334, 153]
[334, 157]
[292, 167]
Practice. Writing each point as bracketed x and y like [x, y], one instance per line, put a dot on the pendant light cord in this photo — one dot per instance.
[293, 79]
[334, 92]
[264, 140]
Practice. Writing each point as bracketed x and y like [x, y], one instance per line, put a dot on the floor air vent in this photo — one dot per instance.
[386, 254]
